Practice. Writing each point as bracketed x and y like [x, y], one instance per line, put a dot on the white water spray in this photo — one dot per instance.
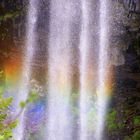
[86, 104]
[58, 112]
[27, 61]
[102, 98]
[59, 79]
[84, 47]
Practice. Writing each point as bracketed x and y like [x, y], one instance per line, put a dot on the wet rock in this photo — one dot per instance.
[129, 83]
[116, 56]
[131, 100]
[126, 84]
[132, 60]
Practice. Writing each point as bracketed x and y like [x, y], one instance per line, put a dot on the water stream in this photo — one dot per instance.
[77, 45]
[26, 69]
[59, 79]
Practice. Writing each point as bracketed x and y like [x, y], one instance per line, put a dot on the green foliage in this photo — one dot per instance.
[13, 10]
[127, 138]
[13, 124]
[111, 120]
[22, 104]
[120, 125]
[136, 120]
[9, 15]
[5, 102]
[7, 133]
[2, 137]
[136, 131]
[2, 117]
[33, 96]
[136, 135]
[6, 126]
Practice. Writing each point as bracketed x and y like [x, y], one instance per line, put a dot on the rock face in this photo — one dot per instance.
[116, 56]
[126, 97]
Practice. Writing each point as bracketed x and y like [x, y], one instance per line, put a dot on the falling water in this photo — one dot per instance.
[92, 80]
[84, 95]
[102, 98]
[88, 99]
[27, 61]
[59, 80]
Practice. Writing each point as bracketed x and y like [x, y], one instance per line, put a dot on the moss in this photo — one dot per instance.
[111, 120]
[136, 135]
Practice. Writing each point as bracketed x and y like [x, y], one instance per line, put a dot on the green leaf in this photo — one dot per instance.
[2, 137]
[7, 133]
[6, 130]
[2, 117]
[13, 124]
[5, 102]
[22, 104]
[32, 96]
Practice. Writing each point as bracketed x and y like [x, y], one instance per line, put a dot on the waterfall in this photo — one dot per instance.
[102, 98]
[91, 42]
[27, 61]
[59, 79]
[83, 68]
[93, 100]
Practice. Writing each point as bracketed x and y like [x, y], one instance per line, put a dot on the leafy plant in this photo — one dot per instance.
[111, 121]
[9, 15]
[136, 120]
[136, 135]
[6, 124]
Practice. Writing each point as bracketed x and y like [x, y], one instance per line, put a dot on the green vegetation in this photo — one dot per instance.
[136, 136]
[7, 123]
[113, 124]
[136, 120]
[10, 9]
[130, 118]
[111, 120]
[9, 15]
